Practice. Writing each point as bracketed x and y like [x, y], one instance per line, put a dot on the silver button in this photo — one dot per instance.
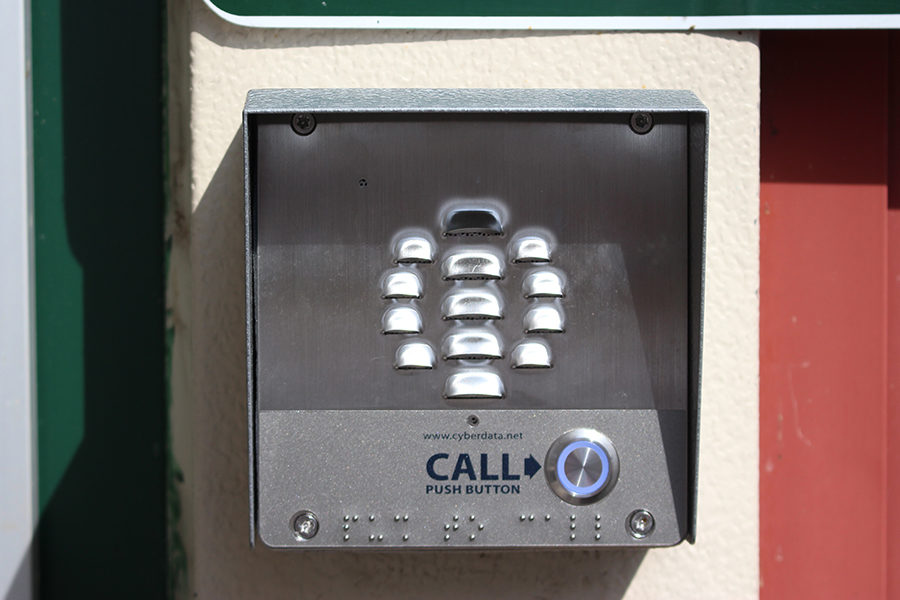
[401, 284]
[544, 319]
[475, 344]
[414, 355]
[474, 384]
[414, 250]
[401, 319]
[472, 265]
[472, 221]
[472, 305]
[531, 355]
[531, 249]
[543, 284]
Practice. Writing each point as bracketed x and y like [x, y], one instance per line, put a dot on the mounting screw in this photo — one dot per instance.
[303, 123]
[305, 525]
[641, 523]
[641, 122]
[473, 420]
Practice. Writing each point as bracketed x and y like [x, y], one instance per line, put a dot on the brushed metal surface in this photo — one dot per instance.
[620, 238]
[346, 464]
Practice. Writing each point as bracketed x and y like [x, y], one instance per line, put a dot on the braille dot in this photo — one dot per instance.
[346, 537]
[480, 526]
[571, 517]
[446, 537]
[572, 526]
[380, 537]
[596, 517]
[597, 537]
[455, 527]
[546, 517]
[405, 537]
[406, 517]
[346, 526]
[597, 526]
[356, 517]
[346, 517]
[572, 537]
[521, 517]
[471, 537]
[531, 517]
[456, 517]
[446, 526]
[471, 517]
[371, 517]
[396, 517]
[371, 538]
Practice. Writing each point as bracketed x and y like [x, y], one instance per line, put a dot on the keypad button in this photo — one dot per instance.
[414, 250]
[472, 305]
[401, 284]
[472, 344]
[543, 284]
[544, 318]
[472, 265]
[531, 249]
[474, 384]
[414, 355]
[401, 319]
[531, 355]
[472, 221]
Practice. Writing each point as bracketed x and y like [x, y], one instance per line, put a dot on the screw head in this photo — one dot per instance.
[305, 525]
[641, 523]
[303, 123]
[641, 122]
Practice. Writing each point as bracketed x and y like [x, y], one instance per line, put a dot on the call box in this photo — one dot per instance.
[474, 317]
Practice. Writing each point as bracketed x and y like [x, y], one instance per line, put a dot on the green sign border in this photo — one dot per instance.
[543, 8]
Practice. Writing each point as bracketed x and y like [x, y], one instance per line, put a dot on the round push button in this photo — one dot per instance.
[582, 466]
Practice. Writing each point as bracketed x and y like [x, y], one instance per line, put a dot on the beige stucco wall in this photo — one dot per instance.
[213, 65]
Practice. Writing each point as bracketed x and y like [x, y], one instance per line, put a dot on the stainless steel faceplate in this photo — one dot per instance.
[409, 226]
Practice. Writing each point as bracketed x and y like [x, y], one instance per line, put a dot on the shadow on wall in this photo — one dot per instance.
[99, 256]
[226, 566]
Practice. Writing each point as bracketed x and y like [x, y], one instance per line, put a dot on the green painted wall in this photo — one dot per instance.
[99, 254]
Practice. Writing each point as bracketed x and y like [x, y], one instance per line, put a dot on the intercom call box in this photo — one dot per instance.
[473, 316]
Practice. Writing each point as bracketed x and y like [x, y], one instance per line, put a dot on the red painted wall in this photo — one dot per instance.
[828, 282]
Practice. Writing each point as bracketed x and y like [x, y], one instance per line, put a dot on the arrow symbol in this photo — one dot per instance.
[532, 466]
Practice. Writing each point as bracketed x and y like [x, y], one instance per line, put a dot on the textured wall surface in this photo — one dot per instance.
[206, 297]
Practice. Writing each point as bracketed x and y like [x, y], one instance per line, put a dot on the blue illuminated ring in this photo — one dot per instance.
[564, 479]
